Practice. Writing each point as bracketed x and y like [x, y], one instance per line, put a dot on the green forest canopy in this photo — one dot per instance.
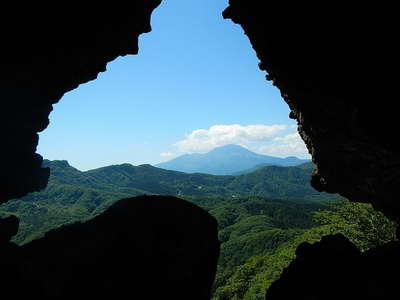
[262, 215]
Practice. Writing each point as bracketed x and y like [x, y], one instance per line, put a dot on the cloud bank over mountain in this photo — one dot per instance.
[277, 139]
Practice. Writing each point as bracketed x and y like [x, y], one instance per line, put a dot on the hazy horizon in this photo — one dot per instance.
[154, 164]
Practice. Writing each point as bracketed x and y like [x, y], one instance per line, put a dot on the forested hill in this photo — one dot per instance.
[73, 195]
[269, 181]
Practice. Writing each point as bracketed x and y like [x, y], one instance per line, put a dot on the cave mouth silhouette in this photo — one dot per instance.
[121, 115]
[322, 77]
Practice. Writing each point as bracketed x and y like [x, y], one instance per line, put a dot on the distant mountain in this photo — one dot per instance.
[226, 160]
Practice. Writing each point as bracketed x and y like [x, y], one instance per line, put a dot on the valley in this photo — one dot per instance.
[262, 214]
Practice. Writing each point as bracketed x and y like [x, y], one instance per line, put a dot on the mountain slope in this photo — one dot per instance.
[225, 160]
[275, 181]
[256, 167]
[154, 180]
[72, 195]
[126, 179]
[270, 181]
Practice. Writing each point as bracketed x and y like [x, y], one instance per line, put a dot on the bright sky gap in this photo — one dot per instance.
[193, 86]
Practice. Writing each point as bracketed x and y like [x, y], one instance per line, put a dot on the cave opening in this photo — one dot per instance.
[327, 111]
[193, 86]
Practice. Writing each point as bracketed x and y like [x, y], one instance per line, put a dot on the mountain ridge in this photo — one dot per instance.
[268, 181]
[225, 160]
[74, 195]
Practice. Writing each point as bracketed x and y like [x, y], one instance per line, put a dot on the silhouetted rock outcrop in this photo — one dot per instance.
[334, 269]
[47, 51]
[10, 281]
[148, 247]
[329, 64]
[8, 228]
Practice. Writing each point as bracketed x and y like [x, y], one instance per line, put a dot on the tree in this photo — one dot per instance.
[360, 223]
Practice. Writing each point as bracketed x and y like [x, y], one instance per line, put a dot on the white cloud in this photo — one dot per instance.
[166, 154]
[274, 140]
[287, 145]
[204, 140]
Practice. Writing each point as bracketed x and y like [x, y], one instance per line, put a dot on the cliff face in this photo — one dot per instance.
[328, 63]
[331, 65]
[47, 51]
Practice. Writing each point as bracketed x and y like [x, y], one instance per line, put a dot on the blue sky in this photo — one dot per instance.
[194, 85]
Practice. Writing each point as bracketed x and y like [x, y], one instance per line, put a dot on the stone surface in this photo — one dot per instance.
[329, 64]
[148, 247]
[8, 228]
[334, 269]
[332, 65]
[45, 52]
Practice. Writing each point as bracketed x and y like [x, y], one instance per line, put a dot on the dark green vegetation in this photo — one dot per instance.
[250, 227]
[263, 215]
[73, 195]
[226, 160]
[360, 223]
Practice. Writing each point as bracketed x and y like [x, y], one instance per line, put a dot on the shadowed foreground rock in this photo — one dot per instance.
[329, 63]
[149, 247]
[47, 51]
[334, 269]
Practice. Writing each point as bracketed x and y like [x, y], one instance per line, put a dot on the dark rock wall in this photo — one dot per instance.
[333, 65]
[329, 63]
[47, 51]
[334, 269]
[144, 248]
[149, 247]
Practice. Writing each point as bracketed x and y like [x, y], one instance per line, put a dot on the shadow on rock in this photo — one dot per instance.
[148, 247]
[335, 269]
